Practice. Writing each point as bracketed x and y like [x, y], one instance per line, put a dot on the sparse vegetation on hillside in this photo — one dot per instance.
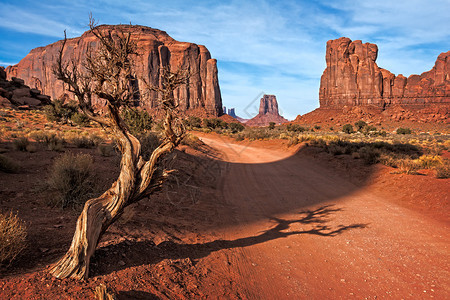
[403, 131]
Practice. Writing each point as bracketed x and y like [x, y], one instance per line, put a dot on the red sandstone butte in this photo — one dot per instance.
[155, 48]
[268, 112]
[353, 78]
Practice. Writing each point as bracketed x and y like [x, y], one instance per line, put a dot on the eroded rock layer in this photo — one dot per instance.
[353, 78]
[156, 49]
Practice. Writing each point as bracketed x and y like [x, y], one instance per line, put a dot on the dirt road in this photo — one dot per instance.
[301, 231]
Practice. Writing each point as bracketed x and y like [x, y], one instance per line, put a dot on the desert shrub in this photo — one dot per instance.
[80, 119]
[192, 141]
[58, 111]
[369, 155]
[52, 141]
[13, 234]
[360, 125]
[149, 142]
[347, 128]
[335, 149]
[295, 128]
[236, 127]
[443, 169]
[71, 176]
[8, 165]
[407, 166]
[293, 141]
[86, 141]
[138, 121]
[271, 125]
[317, 127]
[83, 142]
[239, 137]
[214, 123]
[403, 131]
[105, 149]
[21, 143]
[193, 122]
[429, 161]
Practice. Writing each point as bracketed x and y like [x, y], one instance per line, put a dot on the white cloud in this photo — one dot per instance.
[270, 46]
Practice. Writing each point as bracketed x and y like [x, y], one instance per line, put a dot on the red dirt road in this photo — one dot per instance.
[302, 231]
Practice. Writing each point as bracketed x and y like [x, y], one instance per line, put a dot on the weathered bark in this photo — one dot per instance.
[137, 180]
[107, 76]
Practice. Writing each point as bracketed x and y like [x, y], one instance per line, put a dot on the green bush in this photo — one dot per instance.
[360, 125]
[271, 125]
[58, 111]
[403, 130]
[295, 128]
[80, 119]
[138, 121]
[71, 176]
[13, 234]
[214, 123]
[347, 128]
[193, 122]
[236, 127]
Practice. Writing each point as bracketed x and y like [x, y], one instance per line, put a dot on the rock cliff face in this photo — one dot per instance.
[268, 112]
[353, 78]
[155, 48]
[15, 93]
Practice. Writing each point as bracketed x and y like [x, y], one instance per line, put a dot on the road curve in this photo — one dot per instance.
[302, 231]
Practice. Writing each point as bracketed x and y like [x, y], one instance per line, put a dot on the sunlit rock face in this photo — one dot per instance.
[155, 48]
[353, 78]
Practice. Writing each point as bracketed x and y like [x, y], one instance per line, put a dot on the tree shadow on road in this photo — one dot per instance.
[316, 222]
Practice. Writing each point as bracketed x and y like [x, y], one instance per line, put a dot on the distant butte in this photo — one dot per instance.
[268, 112]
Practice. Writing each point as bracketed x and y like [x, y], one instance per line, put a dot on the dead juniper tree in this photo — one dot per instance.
[106, 74]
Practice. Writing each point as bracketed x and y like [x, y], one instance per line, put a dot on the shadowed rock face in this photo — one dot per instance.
[268, 112]
[156, 49]
[352, 78]
[14, 93]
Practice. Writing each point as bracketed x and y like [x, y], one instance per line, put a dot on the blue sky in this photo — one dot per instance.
[272, 47]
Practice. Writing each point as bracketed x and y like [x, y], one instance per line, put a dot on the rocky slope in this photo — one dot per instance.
[353, 78]
[155, 48]
[268, 112]
[14, 93]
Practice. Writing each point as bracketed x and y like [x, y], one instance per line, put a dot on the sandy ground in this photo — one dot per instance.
[303, 231]
[247, 220]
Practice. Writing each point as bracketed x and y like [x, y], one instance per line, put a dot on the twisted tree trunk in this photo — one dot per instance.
[138, 179]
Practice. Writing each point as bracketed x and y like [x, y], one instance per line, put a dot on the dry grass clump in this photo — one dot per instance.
[90, 141]
[443, 169]
[8, 165]
[21, 143]
[13, 234]
[71, 177]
